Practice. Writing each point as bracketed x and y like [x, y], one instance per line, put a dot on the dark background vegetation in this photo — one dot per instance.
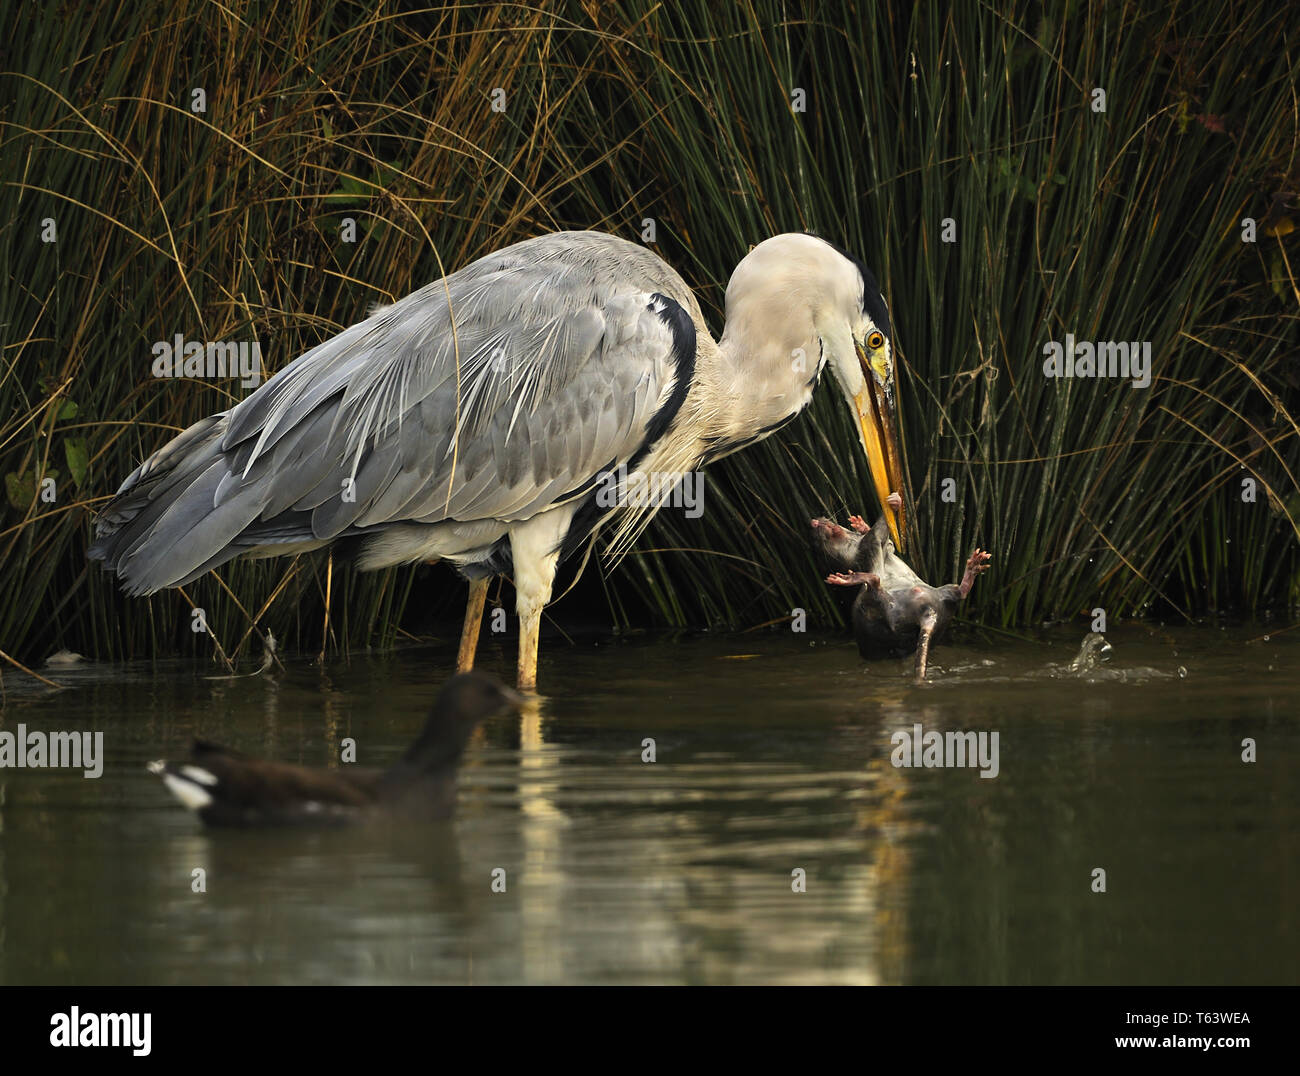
[224, 225]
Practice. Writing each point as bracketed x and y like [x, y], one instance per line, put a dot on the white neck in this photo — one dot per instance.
[747, 384]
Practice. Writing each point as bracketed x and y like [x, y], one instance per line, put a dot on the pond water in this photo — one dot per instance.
[773, 756]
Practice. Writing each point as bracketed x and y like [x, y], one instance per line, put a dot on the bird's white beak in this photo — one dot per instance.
[878, 427]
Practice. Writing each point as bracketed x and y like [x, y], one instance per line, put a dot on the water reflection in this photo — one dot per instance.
[611, 869]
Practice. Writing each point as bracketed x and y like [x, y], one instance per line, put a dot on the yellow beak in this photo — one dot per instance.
[877, 425]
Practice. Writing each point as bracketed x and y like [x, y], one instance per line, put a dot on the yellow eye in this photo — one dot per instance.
[876, 341]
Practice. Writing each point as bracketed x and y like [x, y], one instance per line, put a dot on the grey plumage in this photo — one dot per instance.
[487, 396]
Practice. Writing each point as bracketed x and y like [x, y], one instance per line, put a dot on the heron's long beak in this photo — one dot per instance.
[877, 424]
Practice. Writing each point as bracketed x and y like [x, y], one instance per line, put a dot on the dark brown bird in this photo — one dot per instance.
[228, 788]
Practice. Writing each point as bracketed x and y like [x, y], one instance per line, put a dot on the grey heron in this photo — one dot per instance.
[475, 419]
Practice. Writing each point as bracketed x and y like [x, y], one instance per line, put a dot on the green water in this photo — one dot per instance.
[773, 756]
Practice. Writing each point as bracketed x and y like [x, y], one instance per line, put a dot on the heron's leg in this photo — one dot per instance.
[535, 550]
[478, 588]
[329, 588]
[530, 599]
[928, 623]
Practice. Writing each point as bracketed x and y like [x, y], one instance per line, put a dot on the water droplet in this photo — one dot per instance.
[1265, 638]
[1182, 673]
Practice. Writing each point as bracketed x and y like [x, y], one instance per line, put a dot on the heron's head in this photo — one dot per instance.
[802, 288]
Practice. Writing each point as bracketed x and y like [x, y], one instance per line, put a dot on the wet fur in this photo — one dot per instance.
[897, 613]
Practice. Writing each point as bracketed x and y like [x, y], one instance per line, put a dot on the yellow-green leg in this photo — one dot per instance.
[473, 621]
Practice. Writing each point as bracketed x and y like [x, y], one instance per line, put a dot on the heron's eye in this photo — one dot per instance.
[876, 341]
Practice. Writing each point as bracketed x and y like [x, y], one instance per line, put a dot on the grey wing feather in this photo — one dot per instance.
[490, 394]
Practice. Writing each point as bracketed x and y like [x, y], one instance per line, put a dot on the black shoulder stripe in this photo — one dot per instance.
[589, 512]
[672, 314]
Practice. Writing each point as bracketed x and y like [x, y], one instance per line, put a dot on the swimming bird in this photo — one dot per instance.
[228, 788]
[499, 418]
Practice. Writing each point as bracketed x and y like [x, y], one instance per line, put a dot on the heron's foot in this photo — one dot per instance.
[854, 579]
[978, 562]
[859, 524]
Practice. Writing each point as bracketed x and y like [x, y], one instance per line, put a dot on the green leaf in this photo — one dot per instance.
[385, 174]
[351, 191]
[1277, 277]
[74, 451]
[21, 490]
[68, 410]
